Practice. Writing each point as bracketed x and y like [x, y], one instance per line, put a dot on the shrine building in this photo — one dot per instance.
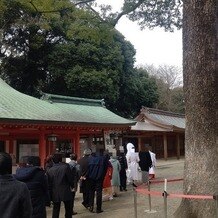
[164, 131]
[55, 123]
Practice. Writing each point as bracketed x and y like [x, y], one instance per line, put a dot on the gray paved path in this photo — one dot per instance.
[123, 206]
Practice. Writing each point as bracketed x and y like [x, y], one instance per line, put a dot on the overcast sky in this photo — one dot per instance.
[152, 46]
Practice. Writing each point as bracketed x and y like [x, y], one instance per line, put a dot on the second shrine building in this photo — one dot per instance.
[63, 124]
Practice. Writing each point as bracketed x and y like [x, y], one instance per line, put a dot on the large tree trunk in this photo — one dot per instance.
[200, 81]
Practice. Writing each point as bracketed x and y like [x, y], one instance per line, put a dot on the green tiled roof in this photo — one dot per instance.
[174, 121]
[54, 108]
[165, 117]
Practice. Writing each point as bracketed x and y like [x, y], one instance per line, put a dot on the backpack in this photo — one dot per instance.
[95, 168]
[75, 168]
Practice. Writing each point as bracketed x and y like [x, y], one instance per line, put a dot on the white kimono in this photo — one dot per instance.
[153, 159]
[133, 173]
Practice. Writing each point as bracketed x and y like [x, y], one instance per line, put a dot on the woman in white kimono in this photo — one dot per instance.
[152, 168]
[133, 173]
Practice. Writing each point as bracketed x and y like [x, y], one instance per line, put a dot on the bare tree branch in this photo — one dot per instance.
[83, 2]
[33, 5]
[86, 3]
[126, 11]
[95, 12]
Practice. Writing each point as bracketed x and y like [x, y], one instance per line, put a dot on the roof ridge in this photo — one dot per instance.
[53, 98]
[161, 112]
[4, 83]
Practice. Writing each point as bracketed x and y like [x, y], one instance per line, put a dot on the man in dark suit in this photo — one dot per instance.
[97, 169]
[75, 168]
[61, 183]
[14, 195]
[84, 181]
[145, 162]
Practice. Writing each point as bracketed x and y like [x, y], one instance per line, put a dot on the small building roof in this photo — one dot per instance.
[16, 106]
[147, 126]
[151, 119]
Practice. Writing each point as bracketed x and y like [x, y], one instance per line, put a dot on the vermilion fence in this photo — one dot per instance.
[164, 194]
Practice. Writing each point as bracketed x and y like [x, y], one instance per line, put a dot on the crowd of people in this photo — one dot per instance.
[27, 193]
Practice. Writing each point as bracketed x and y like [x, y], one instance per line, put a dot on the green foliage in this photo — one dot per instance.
[138, 89]
[86, 63]
[91, 84]
[148, 13]
[61, 49]
[169, 89]
[178, 104]
[166, 14]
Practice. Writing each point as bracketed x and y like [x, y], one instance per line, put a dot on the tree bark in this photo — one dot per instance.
[200, 81]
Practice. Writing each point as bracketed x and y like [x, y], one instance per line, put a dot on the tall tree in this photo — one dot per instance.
[136, 87]
[169, 86]
[138, 90]
[200, 35]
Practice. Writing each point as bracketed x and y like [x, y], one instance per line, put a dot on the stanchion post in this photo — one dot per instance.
[149, 196]
[135, 202]
[165, 198]
[165, 204]
[149, 200]
[215, 197]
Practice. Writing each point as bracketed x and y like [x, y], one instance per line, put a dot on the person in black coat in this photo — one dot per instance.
[14, 195]
[84, 181]
[48, 163]
[61, 183]
[75, 168]
[37, 183]
[97, 168]
[123, 163]
[145, 163]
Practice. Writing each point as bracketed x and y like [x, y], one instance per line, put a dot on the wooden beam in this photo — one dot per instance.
[178, 146]
[153, 146]
[165, 146]
[139, 143]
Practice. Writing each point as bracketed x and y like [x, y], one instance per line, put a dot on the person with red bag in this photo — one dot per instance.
[107, 187]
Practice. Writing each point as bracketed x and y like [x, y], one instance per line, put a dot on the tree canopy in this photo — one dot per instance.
[169, 87]
[65, 49]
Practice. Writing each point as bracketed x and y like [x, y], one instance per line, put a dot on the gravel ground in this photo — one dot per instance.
[123, 205]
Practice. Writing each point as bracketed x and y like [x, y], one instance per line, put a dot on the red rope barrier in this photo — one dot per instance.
[208, 197]
[145, 191]
[168, 180]
[162, 181]
[174, 195]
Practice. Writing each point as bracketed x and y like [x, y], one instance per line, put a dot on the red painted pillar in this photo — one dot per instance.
[42, 148]
[76, 143]
[72, 142]
[11, 146]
